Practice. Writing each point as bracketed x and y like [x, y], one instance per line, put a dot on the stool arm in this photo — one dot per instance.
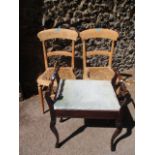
[53, 77]
[122, 93]
[117, 78]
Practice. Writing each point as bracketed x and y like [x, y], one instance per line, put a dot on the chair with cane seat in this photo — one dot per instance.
[98, 73]
[64, 72]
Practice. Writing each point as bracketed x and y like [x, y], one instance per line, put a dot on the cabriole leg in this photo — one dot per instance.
[115, 134]
[55, 132]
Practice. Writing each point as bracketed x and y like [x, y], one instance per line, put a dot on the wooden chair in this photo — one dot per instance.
[64, 72]
[98, 73]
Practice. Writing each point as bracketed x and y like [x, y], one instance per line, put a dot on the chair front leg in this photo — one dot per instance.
[41, 97]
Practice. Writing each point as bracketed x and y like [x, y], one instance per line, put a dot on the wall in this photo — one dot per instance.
[30, 51]
[118, 15]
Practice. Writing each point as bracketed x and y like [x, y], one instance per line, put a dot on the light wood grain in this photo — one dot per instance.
[84, 54]
[92, 53]
[98, 73]
[73, 53]
[99, 33]
[41, 97]
[59, 53]
[111, 54]
[45, 55]
[57, 33]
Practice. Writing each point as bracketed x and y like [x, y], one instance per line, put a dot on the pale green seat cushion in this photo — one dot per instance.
[87, 95]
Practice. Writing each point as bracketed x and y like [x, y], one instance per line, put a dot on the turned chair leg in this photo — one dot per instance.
[115, 134]
[41, 97]
[55, 132]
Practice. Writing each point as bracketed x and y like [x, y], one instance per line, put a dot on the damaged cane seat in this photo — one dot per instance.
[64, 73]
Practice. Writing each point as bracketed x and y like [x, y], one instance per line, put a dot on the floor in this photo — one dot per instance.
[36, 137]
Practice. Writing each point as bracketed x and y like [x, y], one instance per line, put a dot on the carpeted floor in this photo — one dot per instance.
[36, 137]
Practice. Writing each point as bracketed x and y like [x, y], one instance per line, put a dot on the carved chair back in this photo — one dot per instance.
[58, 33]
[102, 34]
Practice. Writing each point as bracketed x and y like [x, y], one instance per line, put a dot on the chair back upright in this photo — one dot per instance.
[102, 34]
[57, 33]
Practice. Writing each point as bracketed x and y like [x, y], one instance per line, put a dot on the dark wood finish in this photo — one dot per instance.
[87, 114]
[54, 130]
[115, 134]
[52, 112]
[118, 123]
[116, 115]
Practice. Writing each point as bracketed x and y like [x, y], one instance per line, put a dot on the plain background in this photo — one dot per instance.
[145, 77]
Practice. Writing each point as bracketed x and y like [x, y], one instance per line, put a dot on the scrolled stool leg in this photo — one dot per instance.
[55, 132]
[115, 134]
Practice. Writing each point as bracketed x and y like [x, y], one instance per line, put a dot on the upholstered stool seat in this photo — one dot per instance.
[95, 95]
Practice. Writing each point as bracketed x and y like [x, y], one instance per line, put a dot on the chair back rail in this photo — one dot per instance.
[57, 33]
[98, 52]
[98, 33]
[59, 53]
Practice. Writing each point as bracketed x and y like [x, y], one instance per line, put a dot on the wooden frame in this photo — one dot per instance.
[61, 34]
[93, 114]
[97, 33]
[53, 34]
